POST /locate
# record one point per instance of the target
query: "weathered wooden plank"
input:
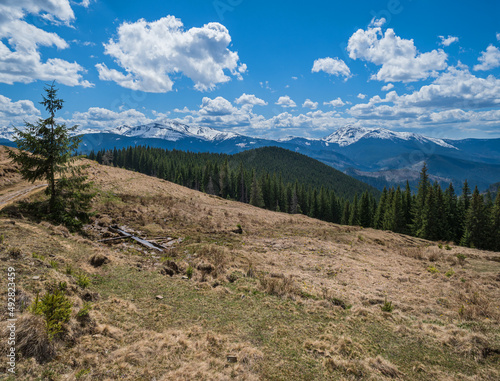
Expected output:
(137, 239)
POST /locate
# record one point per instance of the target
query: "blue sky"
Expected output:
(260, 69)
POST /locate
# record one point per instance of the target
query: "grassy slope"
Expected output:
(302, 336)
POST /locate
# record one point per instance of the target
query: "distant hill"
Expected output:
(296, 166)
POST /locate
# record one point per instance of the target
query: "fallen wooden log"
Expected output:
(112, 239)
(137, 239)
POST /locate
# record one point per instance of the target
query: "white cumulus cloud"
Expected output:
(387, 87)
(399, 59)
(21, 60)
(336, 102)
(457, 87)
(16, 113)
(103, 119)
(285, 101)
(489, 59)
(250, 99)
(149, 53)
(447, 41)
(450, 98)
(216, 107)
(310, 104)
(332, 66)
(361, 96)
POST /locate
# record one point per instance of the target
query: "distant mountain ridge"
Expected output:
(172, 131)
(348, 135)
(377, 156)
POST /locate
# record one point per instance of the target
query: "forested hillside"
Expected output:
(293, 183)
(295, 166)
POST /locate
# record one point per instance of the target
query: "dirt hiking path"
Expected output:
(18, 194)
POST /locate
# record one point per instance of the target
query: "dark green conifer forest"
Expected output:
(301, 186)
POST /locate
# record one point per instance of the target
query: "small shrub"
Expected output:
(433, 257)
(461, 311)
(63, 286)
(214, 259)
(432, 270)
(234, 276)
(461, 259)
(250, 271)
(82, 372)
(387, 306)
(56, 309)
(450, 273)
(341, 303)
(447, 247)
(440, 245)
(98, 260)
(54, 264)
(15, 252)
(360, 238)
(57, 286)
(38, 256)
(84, 311)
(189, 271)
(279, 286)
(83, 280)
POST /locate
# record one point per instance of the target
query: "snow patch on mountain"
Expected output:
(7, 133)
(348, 135)
(173, 131)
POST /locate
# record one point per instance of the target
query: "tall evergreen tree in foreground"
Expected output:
(45, 153)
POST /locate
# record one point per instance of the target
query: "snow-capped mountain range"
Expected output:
(173, 131)
(348, 135)
(374, 155)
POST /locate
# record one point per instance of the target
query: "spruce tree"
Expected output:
(463, 207)
(346, 213)
(394, 217)
(407, 208)
(365, 213)
(256, 198)
(451, 214)
(46, 153)
(294, 202)
(476, 223)
(418, 209)
(378, 219)
(388, 220)
(495, 224)
(354, 217)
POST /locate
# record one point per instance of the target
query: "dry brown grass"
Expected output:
(279, 285)
(189, 333)
(384, 367)
(32, 338)
(476, 304)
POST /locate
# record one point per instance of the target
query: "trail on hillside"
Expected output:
(19, 194)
